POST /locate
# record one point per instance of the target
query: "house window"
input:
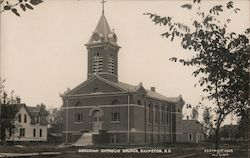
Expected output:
(37, 119)
(41, 133)
(190, 136)
(25, 118)
(20, 118)
(22, 132)
(78, 117)
(115, 117)
(34, 132)
(97, 63)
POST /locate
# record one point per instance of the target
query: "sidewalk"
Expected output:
(28, 154)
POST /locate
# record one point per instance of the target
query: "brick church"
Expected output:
(104, 110)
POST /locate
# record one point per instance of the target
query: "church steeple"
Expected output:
(103, 51)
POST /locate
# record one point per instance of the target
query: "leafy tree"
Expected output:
(221, 58)
(56, 123)
(43, 112)
(55, 120)
(7, 5)
(8, 111)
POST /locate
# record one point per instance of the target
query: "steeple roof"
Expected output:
(103, 33)
(103, 27)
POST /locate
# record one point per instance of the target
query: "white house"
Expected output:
(31, 125)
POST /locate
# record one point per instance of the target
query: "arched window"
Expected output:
(150, 113)
(78, 104)
(97, 62)
(115, 102)
(156, 114)
(162, 115)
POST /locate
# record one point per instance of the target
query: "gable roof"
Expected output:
(191, 126)
(33, 112)
(124, 87)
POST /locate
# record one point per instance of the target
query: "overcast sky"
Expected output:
(43, 52)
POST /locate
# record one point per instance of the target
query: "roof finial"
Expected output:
(103, 1)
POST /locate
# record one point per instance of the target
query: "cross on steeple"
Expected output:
(103, 1)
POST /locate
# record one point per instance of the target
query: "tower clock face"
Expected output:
(96, 36)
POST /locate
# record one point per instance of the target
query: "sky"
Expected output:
(43, 51)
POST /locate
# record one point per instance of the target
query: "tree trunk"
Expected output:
(2, 134)
(217, 138)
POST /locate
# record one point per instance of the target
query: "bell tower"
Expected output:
(103, 51)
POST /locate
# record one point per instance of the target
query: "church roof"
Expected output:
(128, 88)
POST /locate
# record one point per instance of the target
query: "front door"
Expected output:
(96, 121)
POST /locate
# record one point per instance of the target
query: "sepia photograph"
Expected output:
(124, 78)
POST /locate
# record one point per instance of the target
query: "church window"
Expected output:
(139, 102)
(115, 117)
(150, 114)
(111, 64)
(115, 102)
(167, 117)
(78, 117)
(156, 114)
(97, 63)
(78, 104)
(190, 136)
(162, 115)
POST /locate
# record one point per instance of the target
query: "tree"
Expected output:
(221, 58)
(243, 125)
(8, 111)
(7, 5)
(207, 121)
(56, 121)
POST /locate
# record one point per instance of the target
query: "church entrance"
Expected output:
(96, 121)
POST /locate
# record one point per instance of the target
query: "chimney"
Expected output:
(18, 100)
(153, 89)
(187, 117)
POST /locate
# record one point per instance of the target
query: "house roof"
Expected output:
(33, 111)
(191, 126)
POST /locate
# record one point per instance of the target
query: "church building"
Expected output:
(103, 109)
